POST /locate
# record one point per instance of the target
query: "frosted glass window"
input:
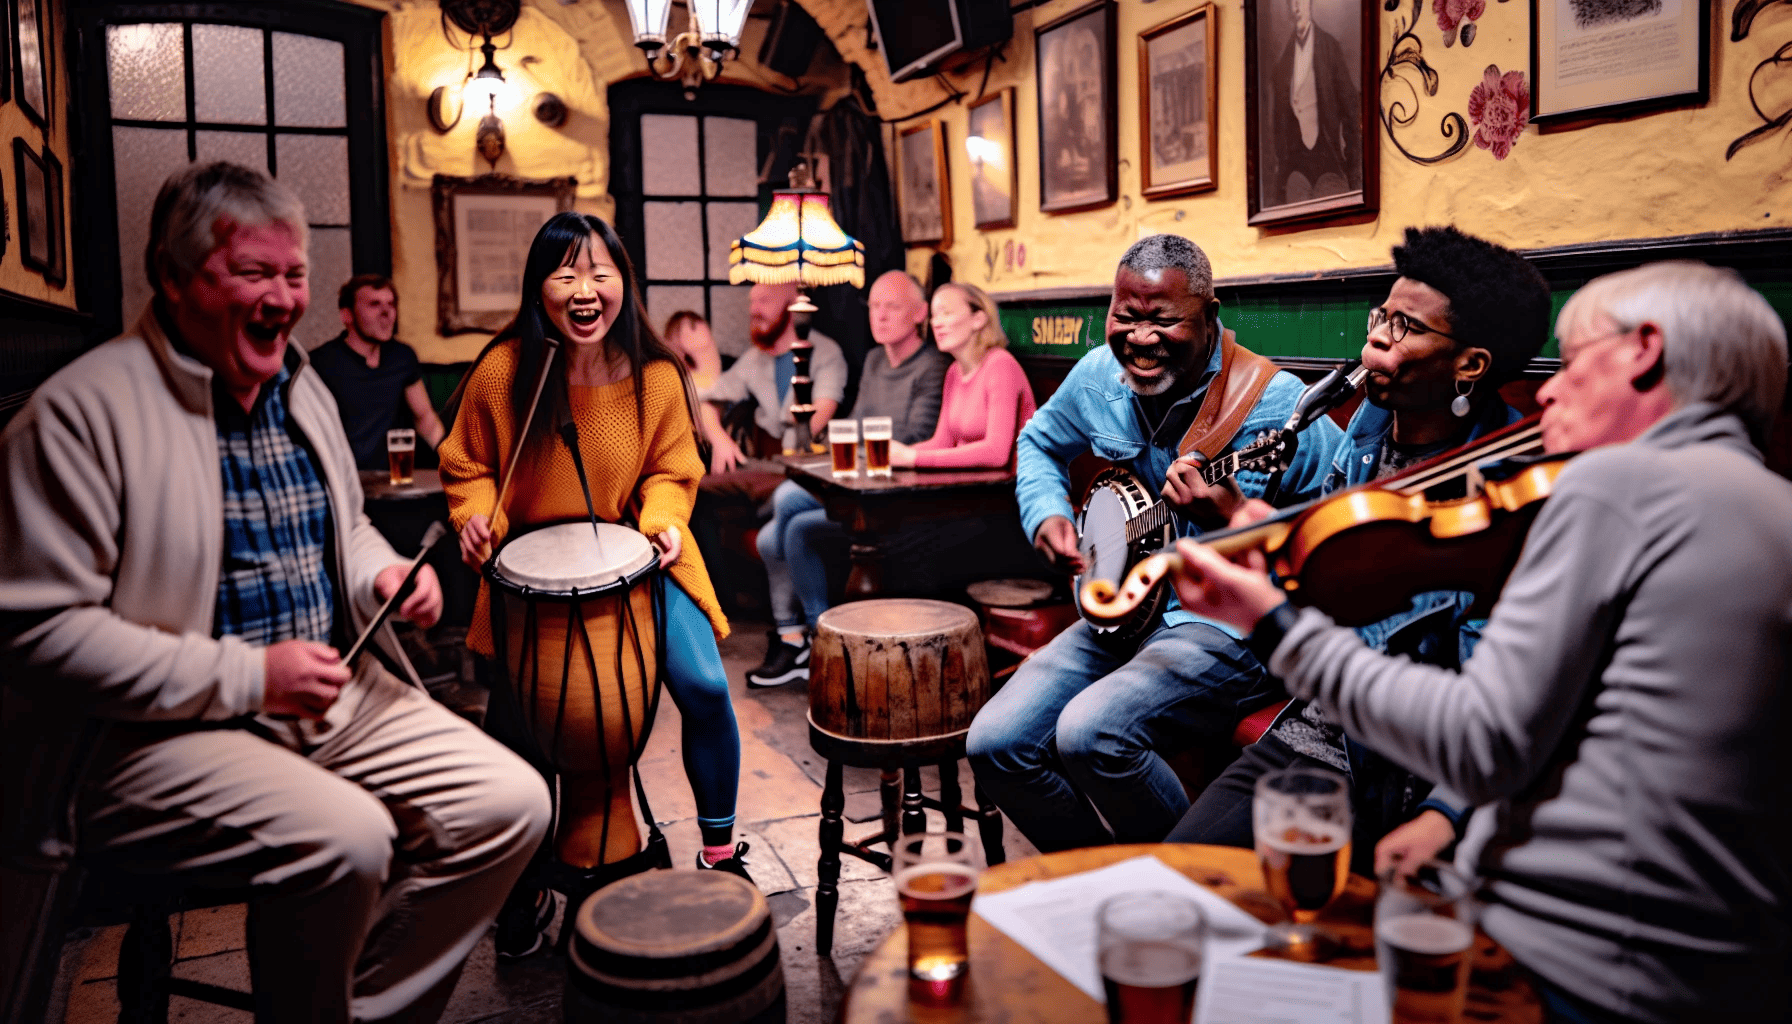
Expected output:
(730, 157)
(316, 167)
(142, 157)
(729, 320)
(228, 83)
(308, 82)
(147, 72)
(669, 155)
(674, 240)
(331, 264)
(249, 149)
(663, 300)
(728, 221)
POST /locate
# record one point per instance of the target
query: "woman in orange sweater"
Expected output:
(628, 395)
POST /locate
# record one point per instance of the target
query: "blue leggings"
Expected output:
(699, 686)
(794, 567)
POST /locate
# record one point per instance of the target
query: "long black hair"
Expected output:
(559, 242)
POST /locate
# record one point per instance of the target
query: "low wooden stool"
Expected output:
(893, 685)
(1019, 617)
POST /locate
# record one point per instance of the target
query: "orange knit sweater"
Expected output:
(649, 475)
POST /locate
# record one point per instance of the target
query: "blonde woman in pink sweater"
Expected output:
(987, 398)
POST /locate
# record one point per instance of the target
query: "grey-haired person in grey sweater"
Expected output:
(1622, 725)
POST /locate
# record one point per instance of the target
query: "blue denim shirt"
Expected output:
(1095, 411)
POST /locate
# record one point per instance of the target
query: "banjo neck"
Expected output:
(1157, 515)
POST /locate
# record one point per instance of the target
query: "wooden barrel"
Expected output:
(897, 669)
(675, 947)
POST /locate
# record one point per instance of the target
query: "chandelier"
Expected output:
(694, 56)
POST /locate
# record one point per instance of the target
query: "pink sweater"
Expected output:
(979, 418)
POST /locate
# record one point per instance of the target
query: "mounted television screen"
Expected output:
(915, 36)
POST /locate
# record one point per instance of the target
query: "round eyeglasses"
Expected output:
(1399, 324)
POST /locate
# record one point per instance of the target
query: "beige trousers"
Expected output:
(383, 845)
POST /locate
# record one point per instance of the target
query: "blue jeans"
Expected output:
(794, 567)
(1078, 730)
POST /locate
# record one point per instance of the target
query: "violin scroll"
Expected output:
(1103, 602)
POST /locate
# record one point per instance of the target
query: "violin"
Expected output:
(1360, 555)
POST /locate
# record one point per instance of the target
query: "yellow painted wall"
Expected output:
(1649, 176)
(14, 277)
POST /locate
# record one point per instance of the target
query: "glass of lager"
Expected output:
(843, 441)
(1424, 941)
(401, 454)
(1300, 818)
(877, 431)
(936, 876)
(1150, 949)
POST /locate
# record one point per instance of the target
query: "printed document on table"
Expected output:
(1055, 919)
(1250, 990)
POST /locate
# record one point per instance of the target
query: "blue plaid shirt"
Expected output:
(275, 584)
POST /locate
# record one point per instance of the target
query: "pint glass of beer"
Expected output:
(1424, 942)
(843, 441)
(1149, 945)
(936, 876)
(1300, 818)
(401, 454)
(877, 431)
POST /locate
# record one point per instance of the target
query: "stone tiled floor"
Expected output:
(779, 812)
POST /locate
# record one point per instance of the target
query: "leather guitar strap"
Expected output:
(1230, 398)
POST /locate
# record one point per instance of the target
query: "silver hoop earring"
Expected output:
(1459, 405)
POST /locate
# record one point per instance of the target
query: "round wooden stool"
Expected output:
(893, 685)
(675, 947)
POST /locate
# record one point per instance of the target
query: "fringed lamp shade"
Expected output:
(798, 241)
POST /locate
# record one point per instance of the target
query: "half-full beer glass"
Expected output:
(876, 430)
(1424, 942)
(1149, 945)
(936, 876)
(1300, 818)
(401, 454)
(843, 441)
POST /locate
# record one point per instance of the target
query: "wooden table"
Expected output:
(871, 507)
(1007, 984)
(378, 486)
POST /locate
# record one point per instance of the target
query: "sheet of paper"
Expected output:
(1238, 989)
(1055, 919)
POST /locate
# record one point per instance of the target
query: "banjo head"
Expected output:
(1115, 497)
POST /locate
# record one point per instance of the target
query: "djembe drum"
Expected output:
(574, 623)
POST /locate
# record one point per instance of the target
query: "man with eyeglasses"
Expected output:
(1464, 317)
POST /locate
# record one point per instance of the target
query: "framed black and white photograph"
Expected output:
(31, 59)
(923, 192)
(1609, 58)
(483, 229)
(38, 224)
(989, 146)
(1178, 116)
(1310, 109)
(1078, 141)
(57, 272)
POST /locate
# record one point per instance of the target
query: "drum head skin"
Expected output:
(568, 557)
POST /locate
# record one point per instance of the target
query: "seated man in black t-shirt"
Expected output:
(372, 376)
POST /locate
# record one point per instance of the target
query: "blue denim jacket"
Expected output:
(1095, 411)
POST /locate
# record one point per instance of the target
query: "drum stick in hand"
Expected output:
(522, 437)
(434, 535)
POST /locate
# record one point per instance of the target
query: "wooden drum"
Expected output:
(897, 669)
(675, 947)
(575, 630)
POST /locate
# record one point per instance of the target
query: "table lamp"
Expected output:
(798, 241)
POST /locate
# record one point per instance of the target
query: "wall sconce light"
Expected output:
(549, 109)
(711, 35)
(483, 19)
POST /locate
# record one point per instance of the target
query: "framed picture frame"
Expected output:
(923, 190)
(6, 32)
(37, 182)
(1311, 145)
(989, 146)
(1662, 48)
(1178, 114)
(1074, 77)
(483, 229)
(31, 66)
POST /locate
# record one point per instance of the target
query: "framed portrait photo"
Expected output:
(1311, 115)
(37, 182)
(922, 188)
(483, 229)
(1074, 75)
(989, 146)
(31, 59)
(1178, 118)
(1605, 58)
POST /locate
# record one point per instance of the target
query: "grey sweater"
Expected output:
(909, 394)
(1622, 728)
